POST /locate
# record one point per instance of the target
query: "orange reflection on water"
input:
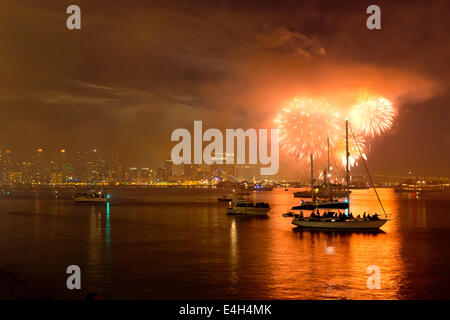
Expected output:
(305, 264)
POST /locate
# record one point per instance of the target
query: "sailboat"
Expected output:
(92, 197)
(332, 220)
(315, 201)
(336, 191)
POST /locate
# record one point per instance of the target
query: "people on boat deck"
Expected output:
(262, 205)
(339, 216)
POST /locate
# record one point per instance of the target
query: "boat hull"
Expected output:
(334, 194)
(90, 200)
(331, 205)
(340, 225)
(248, 211)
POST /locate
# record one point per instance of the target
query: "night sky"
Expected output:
(137, 70)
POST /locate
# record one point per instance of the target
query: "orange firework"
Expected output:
(372, 115)
(304, 126)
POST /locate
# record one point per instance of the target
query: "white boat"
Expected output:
(353, 224)
(92, 197)
(247, 207)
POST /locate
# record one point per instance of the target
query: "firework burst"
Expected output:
(356, 148)
(305, 125)
(372, 115)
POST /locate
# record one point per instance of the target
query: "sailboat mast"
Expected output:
(328, 168)
(312, 179)
(347, 169)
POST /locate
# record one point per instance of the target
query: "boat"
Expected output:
(335, 191)
(288, 214)
(248, 207)
(225, 198)
(347, 224)
(316, 202)
(331, 204)
(420, 186)
(243, 193)
(92, 197)
(326, 189)
(359, 186)
(334, 221)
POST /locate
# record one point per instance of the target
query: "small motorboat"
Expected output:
(247, 207)
(288, 214)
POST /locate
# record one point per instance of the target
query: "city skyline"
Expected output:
(62, 167)
(89, 167)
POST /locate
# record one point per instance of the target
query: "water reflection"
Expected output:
(164, 248)
(309, 264)
(108, 237)
(233, 252)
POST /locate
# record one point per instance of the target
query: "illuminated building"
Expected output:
(6, 167)
(38, 175)
(132, 175)
(3, 174)
(145, 176)
(167, 169)
(221, 168)
(191, 170)
(117, 172)
(178, 170)
(80, 161)
(247, 172)
(97, 171)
